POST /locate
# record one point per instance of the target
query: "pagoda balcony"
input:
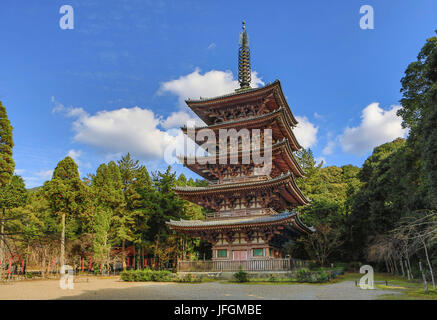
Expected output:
(254, 264)
(240, 213)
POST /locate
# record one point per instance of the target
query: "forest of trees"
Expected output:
(383, 213)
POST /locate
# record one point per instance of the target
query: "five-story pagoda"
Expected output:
(251, 209)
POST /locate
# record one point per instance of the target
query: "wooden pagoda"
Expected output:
(251, 214)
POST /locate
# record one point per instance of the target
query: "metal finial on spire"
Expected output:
(244, 72)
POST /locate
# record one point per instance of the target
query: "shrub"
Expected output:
(162, 275)
(146, 275)
(304, 275)
(126, 275)
(241, 276)
(322, 276)
(273, 278)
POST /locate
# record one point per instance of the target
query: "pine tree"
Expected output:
(67, 195)
(7, 164)
(108, 201)
(137, 187)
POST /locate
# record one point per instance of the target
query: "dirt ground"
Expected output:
(114, 289)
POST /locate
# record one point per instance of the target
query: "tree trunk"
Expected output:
(142, 256)
(134, 265)
(429, 263)
(409, 267)
(386, 265)
(62, 260)
(123, 254)
(423, 277)
(402, 268)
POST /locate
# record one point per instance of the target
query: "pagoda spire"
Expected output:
(244, 60)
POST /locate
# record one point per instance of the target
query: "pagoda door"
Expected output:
(239, 255)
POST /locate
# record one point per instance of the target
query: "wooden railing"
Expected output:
(239, 213)
(247, 265)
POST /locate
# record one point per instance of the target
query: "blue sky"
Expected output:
(115, 82)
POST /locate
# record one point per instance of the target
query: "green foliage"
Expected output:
(273, 278)
(241, 276)
(330, 190)
(13, 194)
(146, 275)
(166, 204)
(419, 114)
(108, 201)
(66, 192)
(304, 275)
(322, 276)
(68, 197)
(7, 164)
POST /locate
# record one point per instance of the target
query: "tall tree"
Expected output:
(419, 113)
(67, 195)
(137, 184)
(167, 205)
(108, 201)
(7, 164)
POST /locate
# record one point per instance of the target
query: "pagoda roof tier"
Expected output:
(277, 120)
(285, 185)
(282, 157)
(269, 96)
(235, 224)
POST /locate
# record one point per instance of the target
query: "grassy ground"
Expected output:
(409, 289)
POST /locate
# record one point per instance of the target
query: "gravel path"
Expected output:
(98, 289)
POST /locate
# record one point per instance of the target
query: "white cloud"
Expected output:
(317, 115)
(69, 111)
(212, 45)
(377, 126)
(194, 85)
(36, 179)
(306, 132)
(74, 154)
(19, 172)
(329, 148)
(210, 84)
(124, 130)
(45, 174)
(138, 130)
